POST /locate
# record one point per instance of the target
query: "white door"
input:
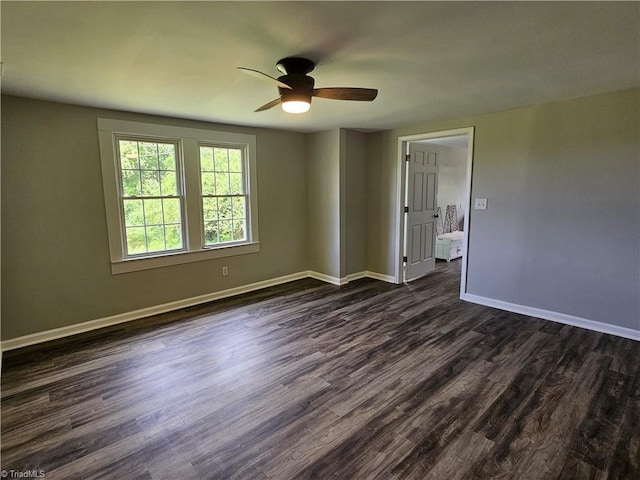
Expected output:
(420, 211)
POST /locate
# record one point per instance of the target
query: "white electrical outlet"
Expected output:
(480, 204)
(225, 271)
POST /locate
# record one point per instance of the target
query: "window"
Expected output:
(224, 199)
(176, 195)
(150, 196)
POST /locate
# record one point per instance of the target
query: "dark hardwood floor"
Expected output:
(311, 381)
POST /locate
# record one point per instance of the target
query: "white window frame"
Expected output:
(179, 186)
(189, 141)
(245, 182)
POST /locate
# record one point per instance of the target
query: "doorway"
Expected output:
(433, 144)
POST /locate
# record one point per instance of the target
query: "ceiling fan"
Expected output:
(296, 87)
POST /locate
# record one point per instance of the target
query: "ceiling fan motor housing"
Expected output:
(301, 88)
(295, 65)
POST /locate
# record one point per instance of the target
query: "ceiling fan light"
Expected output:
(296, 106)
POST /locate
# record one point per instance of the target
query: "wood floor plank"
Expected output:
(576, 469)
(459, 456)
(602, 421)
(306, 380)
(625, 446)
(534, 438)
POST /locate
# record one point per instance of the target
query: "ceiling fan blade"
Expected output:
(269, 105)
(346, 93)
(264, 76)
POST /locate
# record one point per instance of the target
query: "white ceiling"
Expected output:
(429, 60)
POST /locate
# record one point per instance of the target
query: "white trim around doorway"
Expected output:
(400, 197)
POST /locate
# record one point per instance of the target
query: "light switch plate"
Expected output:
(480, 204)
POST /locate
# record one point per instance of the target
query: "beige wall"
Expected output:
(55, 257)
(561, 229)
(560, 233)
(381, 202)
(336, 201)
(356, 202)
(323, 202)
(376, 214)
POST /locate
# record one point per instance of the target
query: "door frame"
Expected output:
(403, 142)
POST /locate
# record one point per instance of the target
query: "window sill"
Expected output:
(166, 260)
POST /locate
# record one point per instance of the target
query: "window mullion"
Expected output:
(192, 197)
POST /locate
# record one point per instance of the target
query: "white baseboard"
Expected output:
(83, 327)
(327, 278)
(356, 276)
(554, 316)
(47, 335)
(351, 277)
(380, 276)
(56, 333)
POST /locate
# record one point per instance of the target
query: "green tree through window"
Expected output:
(150, 196)
(224, 198)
